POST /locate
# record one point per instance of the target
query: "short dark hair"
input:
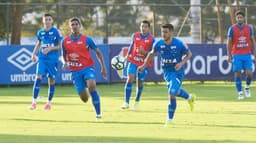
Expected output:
(169, 26)
(239, 12)
(75, 19)
(48, 14)
(146, 22)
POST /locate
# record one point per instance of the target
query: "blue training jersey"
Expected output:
(171, 54)
(52, 38)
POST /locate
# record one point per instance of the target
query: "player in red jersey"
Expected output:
(240, 45)
(140, 46)
(76, 52)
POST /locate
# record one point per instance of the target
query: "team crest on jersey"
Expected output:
(74, 56)
(80, 42)
(162, 46)
(242, 39)
(173, 47)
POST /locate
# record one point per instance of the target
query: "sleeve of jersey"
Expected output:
(230, 32)
(156, 46)
(38, 35)
(131, 44)
(90, 43)
(59, 35)
(185, 48)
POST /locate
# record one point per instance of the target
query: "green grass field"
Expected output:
(218, 116)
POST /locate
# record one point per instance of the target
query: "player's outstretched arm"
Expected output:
(149, 57)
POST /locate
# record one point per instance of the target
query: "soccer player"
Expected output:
(140, 46)
(47, 46)
(172, 52)
(240, 45)
(77, 57)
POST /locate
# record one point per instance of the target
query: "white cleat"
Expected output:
(240, 97)
(125, 106)
(247, 92)
(136, 105)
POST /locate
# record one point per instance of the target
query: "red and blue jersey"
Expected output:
(140, 42)
(241, 38)
(77, 52)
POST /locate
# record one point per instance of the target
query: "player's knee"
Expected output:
(83, 96)
(173, 92)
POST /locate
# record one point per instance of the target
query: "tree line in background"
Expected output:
(22, 18)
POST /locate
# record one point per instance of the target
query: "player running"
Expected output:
(77, 57)
(172, 51)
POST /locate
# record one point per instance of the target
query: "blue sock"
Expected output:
(171, 108)
(138, 93)
(238, 82)
(183, 94)
(96, 101)
(51, 90)
(36, 88)
(248, 80)
(128, 91)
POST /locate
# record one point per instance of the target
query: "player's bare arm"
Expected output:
(186, 58)
(102, 63)
(253, 46)
(146, 61)
(36, 49)
(229, 44)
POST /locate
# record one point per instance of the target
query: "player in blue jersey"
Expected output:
(46, 48)
(174, 54)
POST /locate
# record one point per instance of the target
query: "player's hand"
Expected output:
(178, 66)
(230, 59)
(104, 73)
(47, 50)
(127, 58)
(140, 68)
(142, 51)
(33, 58)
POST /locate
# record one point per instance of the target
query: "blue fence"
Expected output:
(207, 63)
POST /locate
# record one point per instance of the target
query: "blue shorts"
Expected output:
(132, 69)
(46, 68)
(242, 62)
(173, 81)
(80, 77)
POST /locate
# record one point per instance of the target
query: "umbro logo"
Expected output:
(21, 59)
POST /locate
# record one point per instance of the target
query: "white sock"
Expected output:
(34, 101)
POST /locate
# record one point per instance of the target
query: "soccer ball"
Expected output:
(118, 62)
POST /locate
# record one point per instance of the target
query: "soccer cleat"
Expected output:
(33, 106)
(247, 92)
(191, 102)
(125, 106)
(47, 107)
(98, 116)
(136, 105)
(240, 97)
(168, 124)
